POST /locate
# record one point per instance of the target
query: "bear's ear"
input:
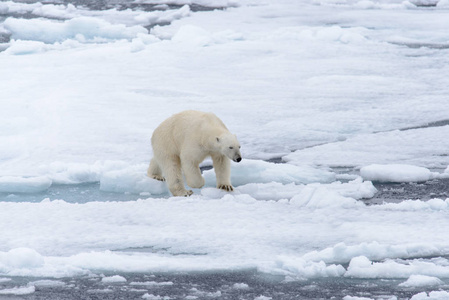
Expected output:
(218, 140)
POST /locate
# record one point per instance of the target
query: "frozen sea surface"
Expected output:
(341, 109)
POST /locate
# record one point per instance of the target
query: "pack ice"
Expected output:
(343, 93)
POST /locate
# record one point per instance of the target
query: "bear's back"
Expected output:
(196, 121)
(189, 126)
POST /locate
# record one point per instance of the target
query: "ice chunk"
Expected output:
(148, 296)
(152, 283)
(342, 253)
(12, 184)
(356, 189)
(19, 47)
(114, 176)
(83, 29)
(75, 173)
(17, 8)
(443, 4)
(297, 267)
(396, 173)
(162, 16)
(358, 298)
(435, 295)
(362, 267)
(258, 171)
(47, 283)
(240, 286)
(18, 291)
(21, 258)
(421, 280)
(113, 279)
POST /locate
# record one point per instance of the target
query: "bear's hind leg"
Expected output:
(222, 168)
(154, 171)
(173, 174)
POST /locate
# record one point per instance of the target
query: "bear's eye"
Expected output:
(231, 147)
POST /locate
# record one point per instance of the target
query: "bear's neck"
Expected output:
(209, 141)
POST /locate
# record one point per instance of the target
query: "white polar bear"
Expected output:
(183, 141)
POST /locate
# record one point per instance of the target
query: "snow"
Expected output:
(420, 147)
(322, 198)
(342, 92)
(232, 222)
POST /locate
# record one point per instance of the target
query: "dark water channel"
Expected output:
(219, 285)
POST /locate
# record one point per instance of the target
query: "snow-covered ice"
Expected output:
(344, 93)
(19, 291)
(17, 184)
(396, 173)
(435, 295)
(421, 280)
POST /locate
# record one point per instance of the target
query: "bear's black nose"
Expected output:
(238, 159)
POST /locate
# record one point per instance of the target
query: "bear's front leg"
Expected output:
(178, 191)
(192, 173)
(222, 167)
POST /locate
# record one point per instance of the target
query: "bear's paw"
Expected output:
(157, 177)
(226, 187)
(184, 193)
(188, 193)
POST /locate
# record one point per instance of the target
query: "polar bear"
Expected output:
(183, 141)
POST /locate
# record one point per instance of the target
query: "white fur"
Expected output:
(183, 141)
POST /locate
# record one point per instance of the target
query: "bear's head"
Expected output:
(229, 145)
